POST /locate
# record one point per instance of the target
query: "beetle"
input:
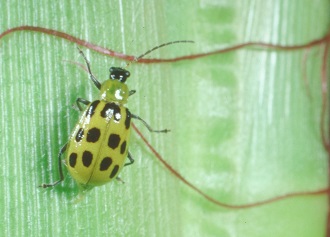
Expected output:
(98, 146)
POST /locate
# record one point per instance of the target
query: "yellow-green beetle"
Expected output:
(97, 149)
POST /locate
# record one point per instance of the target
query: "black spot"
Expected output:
(128, 119)
(73, 159)
(93, 135)
(113, 141)
(87, 158)
(80, 135)
(91, 110)
(123, 147)
(105, 163)
(114, 171)
(109, 110)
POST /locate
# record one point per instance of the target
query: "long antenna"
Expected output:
(157, 47)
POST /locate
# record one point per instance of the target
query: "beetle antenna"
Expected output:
(136, 59)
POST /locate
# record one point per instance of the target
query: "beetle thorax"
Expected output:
(114, 91)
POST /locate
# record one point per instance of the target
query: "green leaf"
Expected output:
(244, 126)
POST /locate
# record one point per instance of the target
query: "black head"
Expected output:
(117, 73)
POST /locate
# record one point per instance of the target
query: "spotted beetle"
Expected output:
(98, 146)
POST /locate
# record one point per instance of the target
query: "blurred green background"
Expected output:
(244, 125)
